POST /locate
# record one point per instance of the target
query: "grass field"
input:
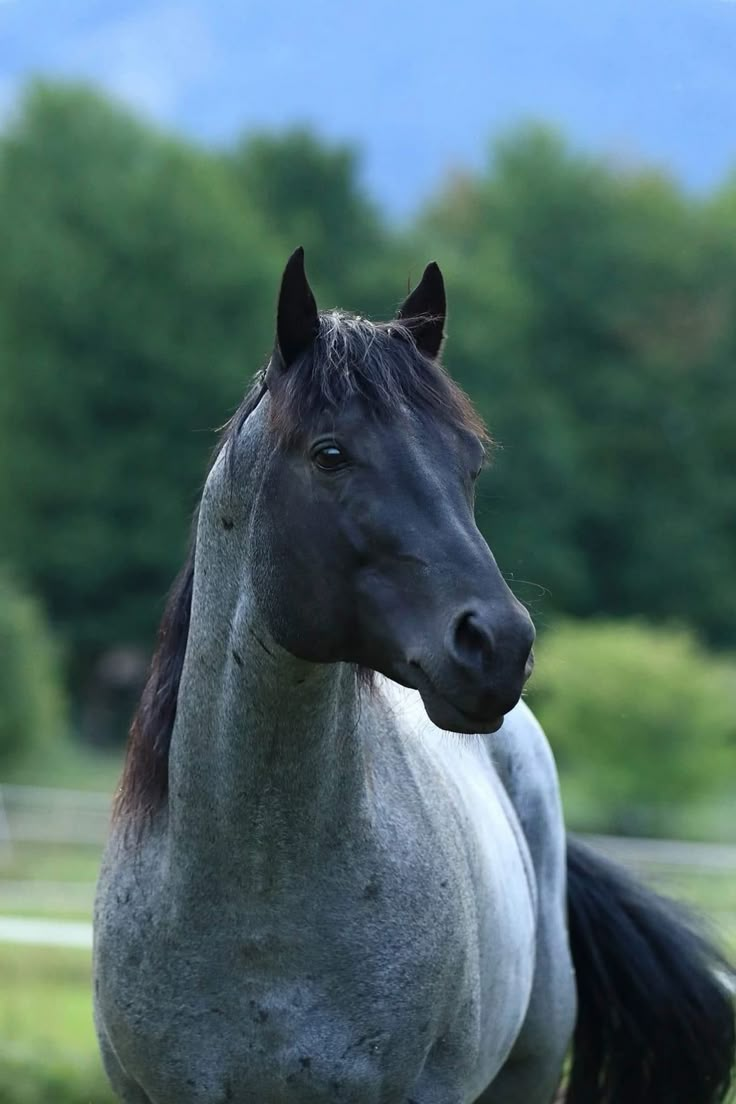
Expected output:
(48, 1053)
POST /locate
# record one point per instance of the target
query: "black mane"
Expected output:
(350, 357)
(377, 362)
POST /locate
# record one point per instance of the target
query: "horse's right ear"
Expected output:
(424, 311)
(297, 320)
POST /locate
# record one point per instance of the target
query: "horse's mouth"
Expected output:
(449, 717)
(444, 713)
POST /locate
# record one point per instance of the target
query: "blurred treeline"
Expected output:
(592, 319)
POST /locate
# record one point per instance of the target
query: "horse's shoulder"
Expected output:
(519, 753)
(526, 767)
(522, 754)
(474, 780)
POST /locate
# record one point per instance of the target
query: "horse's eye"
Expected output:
(329, 457)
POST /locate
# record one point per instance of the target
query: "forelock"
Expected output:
(375, 362)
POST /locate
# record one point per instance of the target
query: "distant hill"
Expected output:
(419, 87)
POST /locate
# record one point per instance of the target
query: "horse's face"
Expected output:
(375, 559)
(370, 553)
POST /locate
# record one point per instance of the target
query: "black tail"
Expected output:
(655, 1016)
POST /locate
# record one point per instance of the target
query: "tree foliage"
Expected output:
(641, 719)
(308, 193)
(603, 361)
(32, 703)
(592, 318)
(135, 295)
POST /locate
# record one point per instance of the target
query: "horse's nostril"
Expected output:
(473, 642)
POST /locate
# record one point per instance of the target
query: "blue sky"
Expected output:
(419, 87)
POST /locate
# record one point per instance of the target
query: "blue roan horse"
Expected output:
(313, 890)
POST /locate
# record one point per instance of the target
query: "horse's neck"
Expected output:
(267, 762)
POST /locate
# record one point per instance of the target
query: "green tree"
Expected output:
(136, 298)
(591, 318)
(309, 193)
(597, 357)
(641, 719)
(32, 702)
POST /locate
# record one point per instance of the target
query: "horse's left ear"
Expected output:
(425, 309)
(297, 319)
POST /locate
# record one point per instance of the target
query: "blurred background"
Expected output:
(572, 166)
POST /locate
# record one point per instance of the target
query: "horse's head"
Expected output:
(365, 547)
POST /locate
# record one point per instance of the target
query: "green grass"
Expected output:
(69, 764)
(33, 878)
(55, 1078)
(48, 1052)
(39, 862)
(711, 896)
(45, 999)
(711, 892)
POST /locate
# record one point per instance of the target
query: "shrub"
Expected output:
(32, 707)
(640, 719)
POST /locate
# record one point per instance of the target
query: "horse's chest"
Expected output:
(347, 989)
(344, 1003)
(233, 1028)
(284, 1045)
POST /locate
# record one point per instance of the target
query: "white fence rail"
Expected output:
(34, 819)
(45, 933)
(43, 814)
(666, 854)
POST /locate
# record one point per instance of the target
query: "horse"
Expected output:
(313, 890)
